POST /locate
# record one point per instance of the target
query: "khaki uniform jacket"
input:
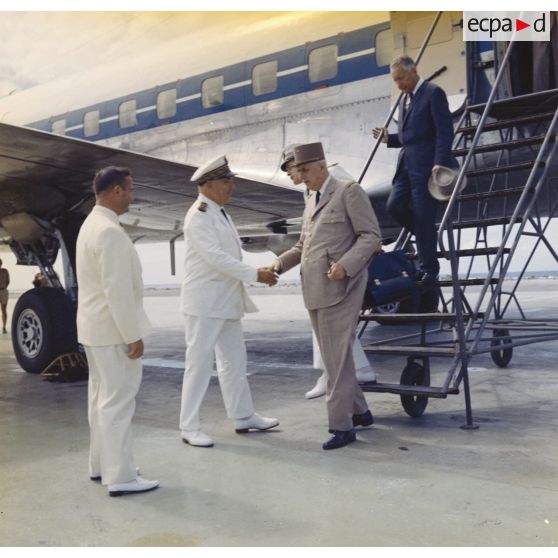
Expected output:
(110, 294)
(344, 229)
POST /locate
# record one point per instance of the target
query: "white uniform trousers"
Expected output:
(206, 338)
(114, 381)
(362, 363)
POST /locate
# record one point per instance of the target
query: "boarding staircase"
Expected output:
(509, 159)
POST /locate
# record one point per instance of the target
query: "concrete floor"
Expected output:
(406, 482)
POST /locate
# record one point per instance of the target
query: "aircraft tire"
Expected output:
(43, 328)
(501, 357)
(413, 375)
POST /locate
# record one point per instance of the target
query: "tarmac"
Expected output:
(405, 482)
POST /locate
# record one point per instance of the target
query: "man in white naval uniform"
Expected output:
(111, 326)
(214, 300)
(364, 371)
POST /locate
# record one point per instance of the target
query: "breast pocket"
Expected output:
(333, 217)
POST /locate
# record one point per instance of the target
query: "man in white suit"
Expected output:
(111, 326)
(364, 371)
(214, 300)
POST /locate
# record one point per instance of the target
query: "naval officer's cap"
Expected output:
(288, 155)
(214, 170)
(309, 153)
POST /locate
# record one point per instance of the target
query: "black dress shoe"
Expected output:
(364, 419)
(339, 439)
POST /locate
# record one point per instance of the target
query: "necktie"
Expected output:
(224, 215)
(317, 198)
(407, 104)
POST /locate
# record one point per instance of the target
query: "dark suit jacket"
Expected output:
(425, 131)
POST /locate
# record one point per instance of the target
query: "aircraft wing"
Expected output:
(47, 175)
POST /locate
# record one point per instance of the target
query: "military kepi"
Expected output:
(309, 153)
(215, 169)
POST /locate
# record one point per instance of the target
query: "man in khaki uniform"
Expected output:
(4, 295)
(340, 233)
(364, 371)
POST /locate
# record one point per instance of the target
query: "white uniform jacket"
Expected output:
(214, 273)
(110, 294)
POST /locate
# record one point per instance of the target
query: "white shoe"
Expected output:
(319, 389)
(137, 485)
(366, 375)
(197, 438)
(255, 422)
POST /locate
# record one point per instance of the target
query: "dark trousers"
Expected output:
(412, 206)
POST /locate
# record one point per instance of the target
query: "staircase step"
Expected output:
(540, 100)
(406, 318)
(410, 350)
(493, 194)
(512, 144)
(526, 165)
(425, 391)
(489, 222)
(501, 124)
(466, 252)
(466, 282)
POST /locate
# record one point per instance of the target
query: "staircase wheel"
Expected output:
(413, 375)
(501, 357)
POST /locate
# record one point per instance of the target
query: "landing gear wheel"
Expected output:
(413, 375)
(501, 357)
(43, 328)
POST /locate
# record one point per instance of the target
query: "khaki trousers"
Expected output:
(335, 328)
(114, 381)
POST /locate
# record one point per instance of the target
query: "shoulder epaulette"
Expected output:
(202, 207)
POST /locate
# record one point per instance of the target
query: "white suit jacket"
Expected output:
(214, 273)
(110, 286)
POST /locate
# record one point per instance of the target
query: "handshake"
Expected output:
(269, 275)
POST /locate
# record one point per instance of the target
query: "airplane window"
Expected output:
(59, 127)
(384, 47)
(212, 92)
(127, 114)
(166, 103)
(91, 123)
(264, 78)
(322, 63)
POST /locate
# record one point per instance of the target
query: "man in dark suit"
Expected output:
(425, 135)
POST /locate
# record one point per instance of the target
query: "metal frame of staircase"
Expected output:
(465, 328)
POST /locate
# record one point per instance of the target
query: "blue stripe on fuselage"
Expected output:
(350, 70)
